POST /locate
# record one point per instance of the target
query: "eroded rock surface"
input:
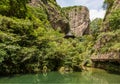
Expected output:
(78, 19)
(55, 16)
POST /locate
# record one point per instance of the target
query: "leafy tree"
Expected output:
(29, 44)
(114, 20)
(95, 26)
(108, 3)
(15, 8)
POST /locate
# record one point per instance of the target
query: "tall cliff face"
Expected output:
(107, 47)
(111, 26)
(113, 6)
(108, 42)
(78, 19)
(54, 14)
(74, 19)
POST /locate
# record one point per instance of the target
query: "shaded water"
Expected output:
(93, 76)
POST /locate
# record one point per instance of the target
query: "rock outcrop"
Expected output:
(109, 34)
(107, 46)
(78, 19)
(55, 16)
(112, 6)
(70, 19)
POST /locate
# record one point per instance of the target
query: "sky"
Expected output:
(95, 6)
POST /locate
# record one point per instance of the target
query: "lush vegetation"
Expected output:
(24, 47)
(28, 42)
(109, 3)
(108, 39)
(66, 10)
(114, 20)
(13, 8)
(95, 27)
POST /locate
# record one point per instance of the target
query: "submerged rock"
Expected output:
(64, 70)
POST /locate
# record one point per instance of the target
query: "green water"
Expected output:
(93, 76)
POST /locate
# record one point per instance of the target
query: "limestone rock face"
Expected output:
(115, 5)
(107, 43)
(55, 16)
(78, 19)
(70, 19)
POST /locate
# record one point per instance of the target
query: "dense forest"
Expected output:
(32, 38)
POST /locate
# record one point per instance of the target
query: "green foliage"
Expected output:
(114, 20)
(3, 54)
(109, 3)
(71, 7)
(66, 10)
(115, 47)
(29, 44)
(24, 28)
(95, 26)
(4, 7)
(23, 43)
(16, 8)
(108, 41)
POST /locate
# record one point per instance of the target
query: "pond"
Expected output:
(92, 76)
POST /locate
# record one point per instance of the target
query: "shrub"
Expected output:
(114, 20)
(16, 8)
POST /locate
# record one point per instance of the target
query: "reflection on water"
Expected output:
(92, 76)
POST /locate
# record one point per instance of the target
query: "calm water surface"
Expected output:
(93, 76)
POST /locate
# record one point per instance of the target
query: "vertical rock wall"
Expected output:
(78, 19)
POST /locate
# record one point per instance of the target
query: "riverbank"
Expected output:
(108, 66)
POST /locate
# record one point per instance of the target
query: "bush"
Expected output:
(114, 20)
(15, 8)
(95, 26)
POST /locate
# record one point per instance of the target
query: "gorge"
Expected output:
(32, 31)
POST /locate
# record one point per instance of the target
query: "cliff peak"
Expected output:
(78, 19)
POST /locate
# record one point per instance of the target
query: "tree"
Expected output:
(15, 8)
(108, 3)
(114, 19)
(95, 26)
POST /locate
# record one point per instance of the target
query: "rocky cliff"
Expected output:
(74, 19)
(107, 46)
(111, 27)
(112, 7)
(78, 19)
(54, 14)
